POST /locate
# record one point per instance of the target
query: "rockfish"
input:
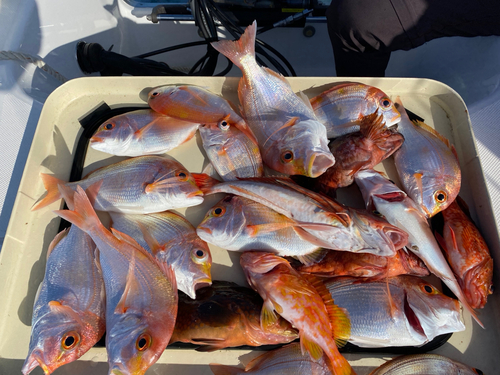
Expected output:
(310, 309)
(467, 254)
(226, 315)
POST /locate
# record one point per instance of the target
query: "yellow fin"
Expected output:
(339, 319)
(131, 290)
(153, 244)
(311, 347)
(126, 238)
(312, 258)
(287, 124)
(267, 315)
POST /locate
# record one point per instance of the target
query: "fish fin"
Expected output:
(312, 258)
(152, 242)
(268, 317)
(372, 126)
(314, 350)
(160, 182)
(325, 202)
(58, 238)
(434, 132)
(418, 179)
(142, 132)
(245, 129)
(188, 89)
(132, 288)
(50, 183)
(339, 318)
(392, 305)
(67, 194)
(256, 229)
(204, 182)
(125, 238)
(57, 306)
(238, 49)
(83, 216)
(218, 369)
(306, 236)
(209, 348)
(290, 122)
(305, 99)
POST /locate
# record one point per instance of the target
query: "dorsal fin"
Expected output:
(426, 127)
(339, 319)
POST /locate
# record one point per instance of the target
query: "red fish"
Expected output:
(343, 263)
(284, 290)
(360, 150)
(467, 254)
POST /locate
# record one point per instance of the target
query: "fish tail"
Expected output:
(225, 370)
(83, 216)
(204, 182)
(238, 49)
(338, 364)
(50, 183)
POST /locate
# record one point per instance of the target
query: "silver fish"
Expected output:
(68, 315)
(239, 224)
(142, 132)
(427, 166)
(424, 364)
(144, 184)
(338, 227)
(403, 212)
(141, 294)
(287, 360)
(341, 107)
(173, 240)
(232, 153)
(290, 138)
(413, 314)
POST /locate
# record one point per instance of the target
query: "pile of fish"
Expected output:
(318, 270)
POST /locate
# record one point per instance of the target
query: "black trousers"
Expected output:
(365, 32)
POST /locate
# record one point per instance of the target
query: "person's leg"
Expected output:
(364, 32)
(361, 33)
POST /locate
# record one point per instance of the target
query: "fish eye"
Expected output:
(70, 340)
(375, 212)
(219, 211)
(182, 175)
(492, 289)
(287, 156)
(199, 255)
(153, 95)
(223, 125)
(143, 342)
(429, 289)
(385, 102)
(440, 196)
(109, 126)
(478, 372)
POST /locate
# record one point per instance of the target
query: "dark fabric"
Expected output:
(363, 33)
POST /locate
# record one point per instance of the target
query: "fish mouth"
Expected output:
(35, 359)
(96, 139)
(194, 194)
(319, 162)
(204, 230)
